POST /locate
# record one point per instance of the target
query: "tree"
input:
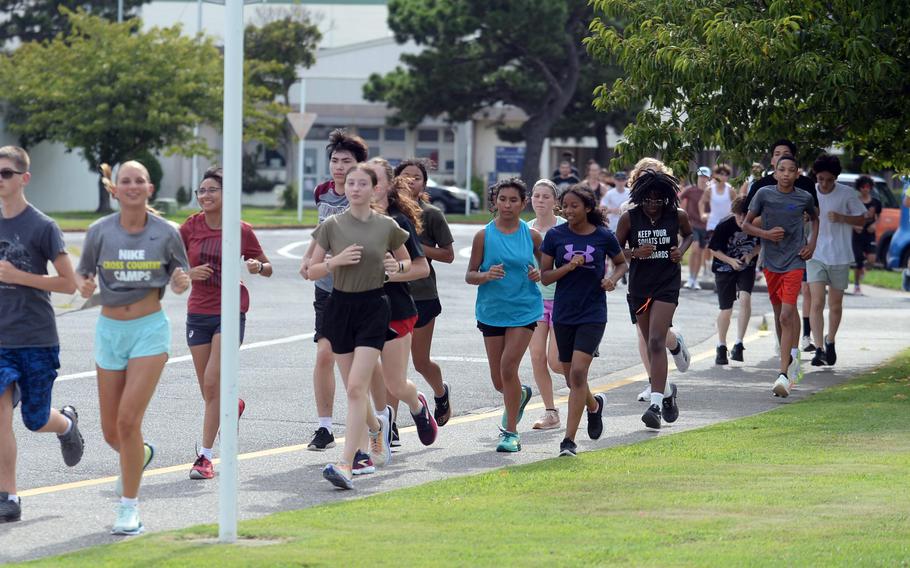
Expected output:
(112, 92)
(40, 20)
(525, 53)
(736, 75)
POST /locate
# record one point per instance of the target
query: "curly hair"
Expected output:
(514, 182)
(651, 182)
(596, 215)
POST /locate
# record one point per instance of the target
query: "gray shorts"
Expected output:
(835, 275)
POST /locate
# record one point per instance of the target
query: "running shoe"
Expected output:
(396, 441)
(696, 285)
(596, 418)
(830, 353)
(149, 454)
(339, 475)
(651, 417)
(362, 464)
(781, 386)
(806, 344)
(681, 357)
(202, 468)
(443, 410)
(567, 448)
(645, 395)
(10, 511)
(690, 283)
(322, 440)
(736, 354)
(127, 522)
(71, 444)
(526, 393)
(509, 442)
(427, 429)
(795, 369)
(670, 410)
(721, 357)
(820, 359)
(548, 420)
(380, 451)
(241, 406)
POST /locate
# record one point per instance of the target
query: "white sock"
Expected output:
(668, 390)
(656, 398)
(418, 411)
(206, 453)
(326, 422)
(13, 497)
(69, 425)
(129, 502)
(739, 341)
(721, 344)
(794, 353)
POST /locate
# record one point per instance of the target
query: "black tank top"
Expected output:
(657, 273)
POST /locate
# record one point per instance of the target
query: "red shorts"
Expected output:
(783, 287)
(403, 327)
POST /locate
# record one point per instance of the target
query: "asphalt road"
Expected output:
(66, 509)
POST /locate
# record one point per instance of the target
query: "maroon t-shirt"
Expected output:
(692, 194)
(203, 246)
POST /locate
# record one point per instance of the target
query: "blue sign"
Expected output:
(510, 159)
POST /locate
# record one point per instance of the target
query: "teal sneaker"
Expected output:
(127, 522)
(149, 454)
(526, 393)
(509, 442)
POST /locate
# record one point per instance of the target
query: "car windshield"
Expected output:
(884, 194)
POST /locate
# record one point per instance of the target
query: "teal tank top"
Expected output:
(514, 301)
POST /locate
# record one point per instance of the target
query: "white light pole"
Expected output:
(194, 169)
(119, 11)
(301, 143)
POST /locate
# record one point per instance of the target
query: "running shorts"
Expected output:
(496, 331)
(427, 311)
(30, 372)
(201, 328)
(583, 337)
(641, 304)
(547, 317)
(730, 284)
(700, 236)
(356, 319)
(784, 287)
(118, 341)
(319, 303)
(400, 328)
(836, 275)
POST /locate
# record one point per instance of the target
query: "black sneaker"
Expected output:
(71, 444)
(396, 442)
(820, 359)
(596, 418)
(651, 417)
(322, 440)
(670, 409)
(567, 448)
(830, 353)
(443, 410)
(10, 511)
(736, 354)
(427, 429)
(721, 357)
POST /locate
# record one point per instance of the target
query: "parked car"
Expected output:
(899, 251)
(450, 198)
(889, 220)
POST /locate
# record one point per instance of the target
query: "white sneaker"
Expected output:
(805, 344)
(645, 395)
(682, 357)
(781, 386)
(689, 284)
(696, 285)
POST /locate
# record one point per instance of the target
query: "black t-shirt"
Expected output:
(729, 239)
(802, 182)
(401, 303)
(564, 182)
(876, 206)
(657, 273)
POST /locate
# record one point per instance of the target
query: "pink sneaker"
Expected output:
(548, 421)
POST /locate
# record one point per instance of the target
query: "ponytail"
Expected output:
(107, 180)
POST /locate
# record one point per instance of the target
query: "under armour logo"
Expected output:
(586, 253)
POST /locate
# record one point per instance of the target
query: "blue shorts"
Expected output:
(201, 328)
(118, 341)
(30, 372)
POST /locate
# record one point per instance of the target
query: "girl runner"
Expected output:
(580, 250)
(134, 254)
(201, 234)
(652, 230)
(543, 342)
(503, 266)
(357, 314)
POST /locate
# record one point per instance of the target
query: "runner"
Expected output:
(544, 355)
(612, 201)
(134, 254)
(785, 250)
(437, 241)
(735, 254)
(357, 315)
(566, 175)
(580, 250)
(690, 199)
(503, 266)
(864, 235)
(592, 180)
(652, 229)
(201, 234)
(344, 152)
(717, 198)
(29, 345)
(829, 268)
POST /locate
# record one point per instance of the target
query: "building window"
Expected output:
(394, 134)
(373, 151)
(428, 135)
(428, 154)
(368, 133)
(448, 136)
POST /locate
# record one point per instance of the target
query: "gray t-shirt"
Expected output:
(778, 209)
(28, 241)
(328, 203)
(128, 265)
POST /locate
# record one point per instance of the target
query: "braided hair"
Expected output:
(654, 182)
(596, 215)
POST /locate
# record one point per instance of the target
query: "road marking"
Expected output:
(456, 359)
(463, 419)
(285, 251)
(464, 252)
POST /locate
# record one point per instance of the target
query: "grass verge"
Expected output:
(883, 279)
(820, 482)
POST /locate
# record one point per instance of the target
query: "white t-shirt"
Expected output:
(612, 200)
(835, 240)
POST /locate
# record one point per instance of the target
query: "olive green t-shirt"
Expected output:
(435, 233)
(377, 235)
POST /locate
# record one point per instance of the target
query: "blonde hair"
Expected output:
(107, 179)
(648, 164)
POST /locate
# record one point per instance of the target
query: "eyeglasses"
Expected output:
(206, 190)
(650, 201)
(8, 174)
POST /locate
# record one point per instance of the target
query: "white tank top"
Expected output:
(720, 205)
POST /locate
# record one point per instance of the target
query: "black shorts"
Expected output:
(320, 301)
(584, 337)
(729, 284)
(643, 303)
(427, 310)
(201, 328)
(863, 244)
(495, 331)
(356, 319)
(700, 236)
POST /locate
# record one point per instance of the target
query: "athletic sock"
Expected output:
(12, 497)
(129, 502)
(419, 410)
(69, 425)
(326, 422)
(794, 353)
(739, 341)
(668, 390)
(807, 327)
(721, 344)
(206, 453)
(657, 398)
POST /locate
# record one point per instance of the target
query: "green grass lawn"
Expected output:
(882, 279)
(819, 482)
